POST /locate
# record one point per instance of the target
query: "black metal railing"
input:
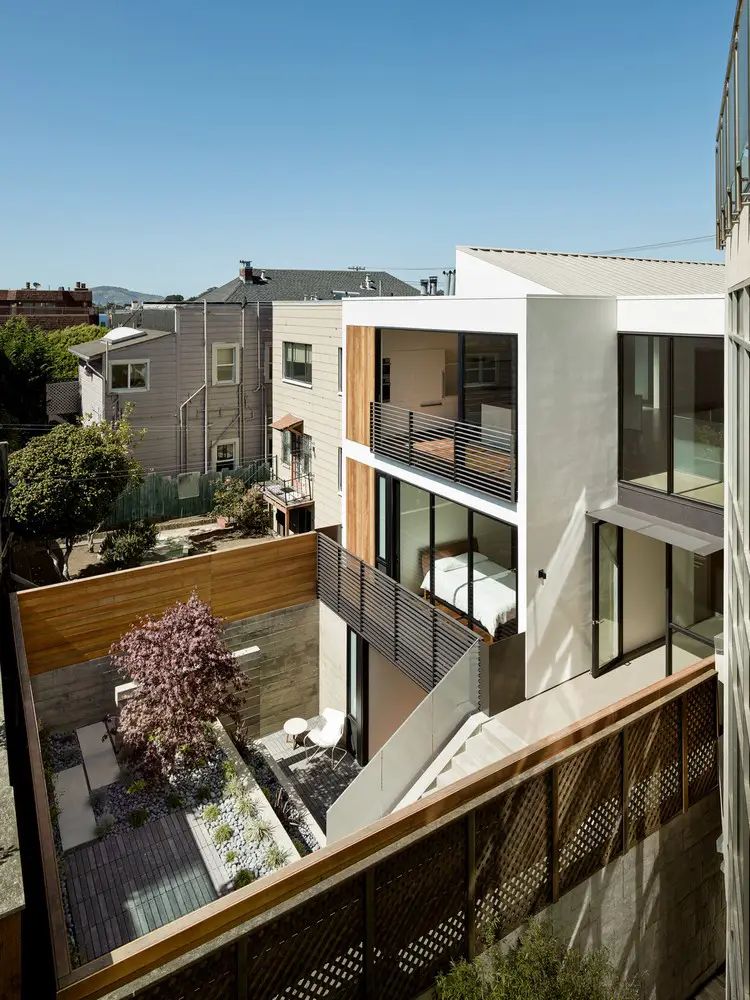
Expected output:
(482, 458)
(290, 491)
(423, 642)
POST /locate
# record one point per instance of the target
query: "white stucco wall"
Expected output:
(738, 250)
(476, 278)
(332, 675)
(644, 583)
(702, 315)
(571, 446)
(438, 312)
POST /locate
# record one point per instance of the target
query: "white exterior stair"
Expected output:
(487, 745)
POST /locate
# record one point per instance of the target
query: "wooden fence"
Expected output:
(378, 914)
(161, 498)
(72, 622)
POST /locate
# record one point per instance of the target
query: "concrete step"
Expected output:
(504, 738)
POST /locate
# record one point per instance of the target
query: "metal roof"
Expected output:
(96, 348)
(590, 274)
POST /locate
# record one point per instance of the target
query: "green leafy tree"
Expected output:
(65, 482)
(174, 298)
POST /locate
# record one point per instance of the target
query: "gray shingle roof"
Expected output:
(296, 285)
(589, 274)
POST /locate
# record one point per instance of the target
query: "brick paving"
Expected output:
(317, 783)
(131, 883)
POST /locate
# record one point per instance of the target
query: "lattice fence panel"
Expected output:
(420, 912)
(312, 953)
(513, 857)
(589, 812)
(702, 749)
(654, 792)
(213, 977)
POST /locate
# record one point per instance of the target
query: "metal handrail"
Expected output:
(302, 486)
(481, 458)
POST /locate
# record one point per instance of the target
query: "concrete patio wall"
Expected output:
(282, 677)
(659, 910)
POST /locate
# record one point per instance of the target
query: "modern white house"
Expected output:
(540, 458)
(733, 233)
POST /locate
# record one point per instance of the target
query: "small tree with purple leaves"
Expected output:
(186, 678)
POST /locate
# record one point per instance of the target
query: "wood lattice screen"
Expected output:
(387, 930)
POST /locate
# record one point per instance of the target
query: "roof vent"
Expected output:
(368, 285)
(262, 279)
(122, 333)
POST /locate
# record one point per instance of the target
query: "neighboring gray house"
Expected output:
(198, 387)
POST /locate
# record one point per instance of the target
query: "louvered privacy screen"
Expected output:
(423, 642)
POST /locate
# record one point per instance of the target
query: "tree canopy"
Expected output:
(29, 358)
(186, 678)
(65, 481)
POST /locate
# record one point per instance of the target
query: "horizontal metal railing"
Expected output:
(423, 642)
(481, 458)
(290, 491)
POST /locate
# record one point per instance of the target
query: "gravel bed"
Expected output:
(64, 751)
(254, 756)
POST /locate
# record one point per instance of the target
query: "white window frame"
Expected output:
(215, 451)
(235, 364)
(341, 370)
(284, 376)
(129, 362)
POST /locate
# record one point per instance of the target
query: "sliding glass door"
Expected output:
(357, 664)
(607, 592)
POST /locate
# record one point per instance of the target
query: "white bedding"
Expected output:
(494, 589)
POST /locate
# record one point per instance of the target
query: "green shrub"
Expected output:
(230, 857)
(227, 497)
(246, 807)
(54, 812)
(252, 516)
(539, 967)
(233, 787)
(136, 787)
(230, 771)
(106, 823)
(223, 833)
(174, 800)
(211, 813)
(242, 878)
(256, 830)
(138, 817)
(97, 797)
(202, 793)
(266, 792)
(126, 546)
(276, 856)
(302, 849)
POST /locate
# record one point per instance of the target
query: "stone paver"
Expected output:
(98, 755)
(317, 783)
(133, 882)
(75, 819)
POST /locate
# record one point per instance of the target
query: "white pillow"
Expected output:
(460, 561)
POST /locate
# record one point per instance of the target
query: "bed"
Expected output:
(494, 604)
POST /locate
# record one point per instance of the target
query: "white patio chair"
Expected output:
(327, 736)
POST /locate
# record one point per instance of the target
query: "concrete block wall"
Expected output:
(659, 910)
(282, 678)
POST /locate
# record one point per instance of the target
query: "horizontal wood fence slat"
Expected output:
(378, 914)
(72, 622)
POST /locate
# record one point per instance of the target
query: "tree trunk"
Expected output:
(69, 543)
(91, 536)
(58, 561)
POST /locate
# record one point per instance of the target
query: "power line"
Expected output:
(658, 246)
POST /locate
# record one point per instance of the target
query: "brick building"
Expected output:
(51, 310)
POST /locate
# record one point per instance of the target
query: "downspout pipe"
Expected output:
(205, 386)
(185, 424)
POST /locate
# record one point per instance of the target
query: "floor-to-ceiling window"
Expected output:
(696, 605)
(460, 560)
(672, 415)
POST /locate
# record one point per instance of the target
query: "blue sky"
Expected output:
(153, 144)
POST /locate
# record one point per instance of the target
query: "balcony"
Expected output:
(297, 492)
(479, 457)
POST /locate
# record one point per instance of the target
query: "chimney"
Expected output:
(423, 286)
(83, 286)
(246, 271)
(28, 284)
(433, 285)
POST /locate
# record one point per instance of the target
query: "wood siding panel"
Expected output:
(360, 510)
(360, 381)
(74, 622)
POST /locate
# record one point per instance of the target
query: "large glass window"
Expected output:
(413, 536)
(298, 363)
(489, 381)
(672, 415)
(699, 418)
(697, 606)
(644, 427)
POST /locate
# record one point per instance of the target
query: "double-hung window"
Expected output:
(225, 364)
(298, 363)
(226, 455)
(129, 376)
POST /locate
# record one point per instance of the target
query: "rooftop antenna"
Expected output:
(356, 267)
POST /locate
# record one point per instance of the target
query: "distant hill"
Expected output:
(120, 296)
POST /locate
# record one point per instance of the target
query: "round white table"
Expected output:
(295, 728)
